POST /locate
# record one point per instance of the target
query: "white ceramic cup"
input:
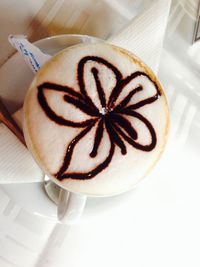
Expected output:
(70, 204)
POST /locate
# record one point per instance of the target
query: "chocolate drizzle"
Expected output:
(112, 118)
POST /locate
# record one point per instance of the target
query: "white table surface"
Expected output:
(159, 226)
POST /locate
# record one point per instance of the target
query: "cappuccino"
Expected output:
(96, 119)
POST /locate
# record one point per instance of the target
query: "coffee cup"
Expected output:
(96, 121)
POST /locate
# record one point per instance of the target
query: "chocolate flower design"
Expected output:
(111, 116)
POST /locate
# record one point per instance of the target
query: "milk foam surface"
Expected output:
(95, 119)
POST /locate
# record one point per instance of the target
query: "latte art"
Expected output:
(112, 118)
(114, 122)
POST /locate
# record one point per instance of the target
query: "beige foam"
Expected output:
(48, 141)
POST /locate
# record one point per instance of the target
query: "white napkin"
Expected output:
(145, 33)
(16, 162)
(143, 36)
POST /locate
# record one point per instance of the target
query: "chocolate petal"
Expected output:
(98, 138)
(115, 137)
(135, 91)
(97, 78)
(78, 162)
(146, 123)
(125, 124)
(55, 112)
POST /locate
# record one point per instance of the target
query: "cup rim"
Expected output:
(37, 43)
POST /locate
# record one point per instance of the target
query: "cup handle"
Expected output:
(70, 206)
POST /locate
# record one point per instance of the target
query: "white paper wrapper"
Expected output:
(32, 55)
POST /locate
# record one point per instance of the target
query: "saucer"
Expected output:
(169, 186)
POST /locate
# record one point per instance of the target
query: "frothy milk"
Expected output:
(95, 119)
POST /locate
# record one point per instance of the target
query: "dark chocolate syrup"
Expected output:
(114, 119)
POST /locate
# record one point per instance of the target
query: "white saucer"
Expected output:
(32, 196)
(173, 183)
